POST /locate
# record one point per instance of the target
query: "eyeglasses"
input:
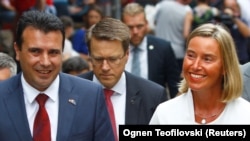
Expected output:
(112, 61)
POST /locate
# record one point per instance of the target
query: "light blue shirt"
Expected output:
(143, 58)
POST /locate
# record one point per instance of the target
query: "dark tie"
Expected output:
(41, 130)
(135, 68)
(108, 93)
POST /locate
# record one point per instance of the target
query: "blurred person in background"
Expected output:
(45, 6)
(230, 16)
(173, 22)
(68, 50)
(203, 13)
(62, 7)
(78, 39)
(7, 12)
(245, 11)
(75, 66)
(8, 66)
(78, 8)
(157, 59)
(245, 14)
(40, 5)
(7, 23)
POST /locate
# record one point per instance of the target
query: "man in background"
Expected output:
(8, 66)
(134, 99)
(156, 61)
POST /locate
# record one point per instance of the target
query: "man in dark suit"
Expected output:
(75, 108)
(157, 59)
(135, 98)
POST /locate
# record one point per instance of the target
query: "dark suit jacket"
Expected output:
(142, 98)
(87, 120)
(162, 64)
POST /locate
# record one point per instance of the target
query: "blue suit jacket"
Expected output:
(87, 120)
(162, 64)
(142, 98)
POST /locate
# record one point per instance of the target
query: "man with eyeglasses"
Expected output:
(135, 98)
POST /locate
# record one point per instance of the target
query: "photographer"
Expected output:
(231, 17)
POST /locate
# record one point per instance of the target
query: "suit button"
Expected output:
(132, 101)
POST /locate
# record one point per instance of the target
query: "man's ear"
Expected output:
(17, 50)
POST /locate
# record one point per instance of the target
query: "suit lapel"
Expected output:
(16, 109)
(67, 108)
(133, 101)
(151, 61)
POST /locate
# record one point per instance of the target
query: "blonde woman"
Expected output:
(210, 92)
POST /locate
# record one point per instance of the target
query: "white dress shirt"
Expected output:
(118, 100)
(180, 110)
(52, 104)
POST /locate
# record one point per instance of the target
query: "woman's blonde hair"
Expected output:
(232, 80)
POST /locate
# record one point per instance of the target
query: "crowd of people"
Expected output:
(108, 72)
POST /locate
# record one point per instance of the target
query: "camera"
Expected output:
(225, 19)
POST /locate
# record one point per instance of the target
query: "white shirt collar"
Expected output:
(142, 45)
(30, 92)
(120, 86)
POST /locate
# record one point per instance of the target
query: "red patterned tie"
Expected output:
(41, 130)
(108, 93)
